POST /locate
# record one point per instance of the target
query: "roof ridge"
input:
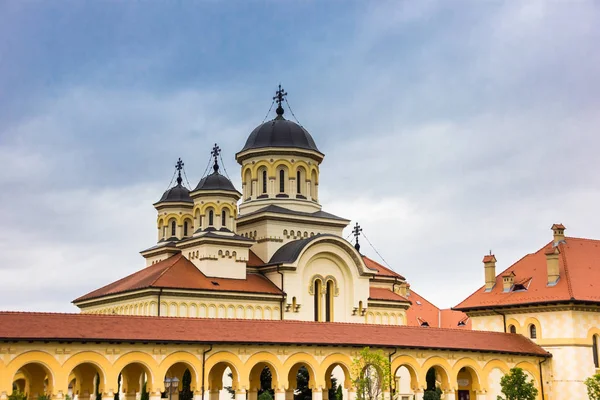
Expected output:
(151, 284)
(563, 255)
(430, 303)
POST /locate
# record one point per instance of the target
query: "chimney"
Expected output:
(552, 264)
(508, 280)
(489, 263)
(559, 232)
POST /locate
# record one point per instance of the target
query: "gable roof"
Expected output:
(381, 270)
(579, 269)
(423, 311)
(114, 328)
(177, 272)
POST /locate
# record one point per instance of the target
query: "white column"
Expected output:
(351, 394)
(154, 395)
(240, 394)
(129, 395)
(449, 395)
(197, 395)
(317, 394)
(386, 395)
(419, 395)
(279, 394)
(480, 396)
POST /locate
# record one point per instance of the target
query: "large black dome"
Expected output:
(176, 194)
(215, 181)
(280, 132)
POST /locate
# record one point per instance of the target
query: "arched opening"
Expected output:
(373, 387)
(596, 350)
(281, 180)
(180, 381)
(135, 379)
(317, 299)
(313, 185)
(247, 185)
(337, 381)
(532, 331)
(301, 382)
(222, 376)
(405, 382)
(264, 181)
(86, 380)
(36, 380)
(173, 225)
(436, 379)
(512, 329)
(224, 218)
(301, 183)
(468, 384)
(262, 381)
(211, 217)
(185, 228)
(329, 301)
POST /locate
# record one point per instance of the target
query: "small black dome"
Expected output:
(176, 194)
(215, 181)
(280, 132)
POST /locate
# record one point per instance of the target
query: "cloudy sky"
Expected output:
(450, 128)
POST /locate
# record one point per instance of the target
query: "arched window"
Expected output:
(185, 228)
(211, 217)
(173, 228)
(329, 302)
(317, 300)
(223, 219)
(298, 183)
(281, 181)
(596, 351)
(512, 329)
(532, 331)
(264, 181)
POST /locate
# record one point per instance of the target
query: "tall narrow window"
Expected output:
(211, 217)
(173, 228)
(512, 329)
(329, 302)
(298, 184)
(317, 290)
(264, 181)
(281, 181)
(223, 219)
(596, 351)
(532, 331)
(185, 228)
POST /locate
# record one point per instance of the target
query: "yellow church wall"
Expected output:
(59, 363)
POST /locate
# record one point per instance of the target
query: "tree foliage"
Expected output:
(186, 382)
(433, 394)
(145, 395)
(16, 395)
(370, 374)
(593, 387)
(516, 387)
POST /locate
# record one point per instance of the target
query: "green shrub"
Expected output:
(593, 387)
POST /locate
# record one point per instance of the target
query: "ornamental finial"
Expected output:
(356, 232)
(279, 97)
(179, 167)
(216, 151)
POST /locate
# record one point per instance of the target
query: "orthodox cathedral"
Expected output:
(262, 277)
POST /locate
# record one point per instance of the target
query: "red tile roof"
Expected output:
(376, 293)
(423, 310)
(381, 270)
(177, 272)
(91, 327)
(254, 260)
(579, 269)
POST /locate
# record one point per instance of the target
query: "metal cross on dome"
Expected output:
(216, 151)
(279, 97)
(179, 166)
(356, 232)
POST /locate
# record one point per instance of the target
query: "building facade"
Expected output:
(240, 281)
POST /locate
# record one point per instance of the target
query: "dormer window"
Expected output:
(425, 323)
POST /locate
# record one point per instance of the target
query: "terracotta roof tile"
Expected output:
(579, 269)
(91, 327)
(422, 310)
(254, 260)
(177, 272)
(376, 293)
(381, 270)
(489, 258)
